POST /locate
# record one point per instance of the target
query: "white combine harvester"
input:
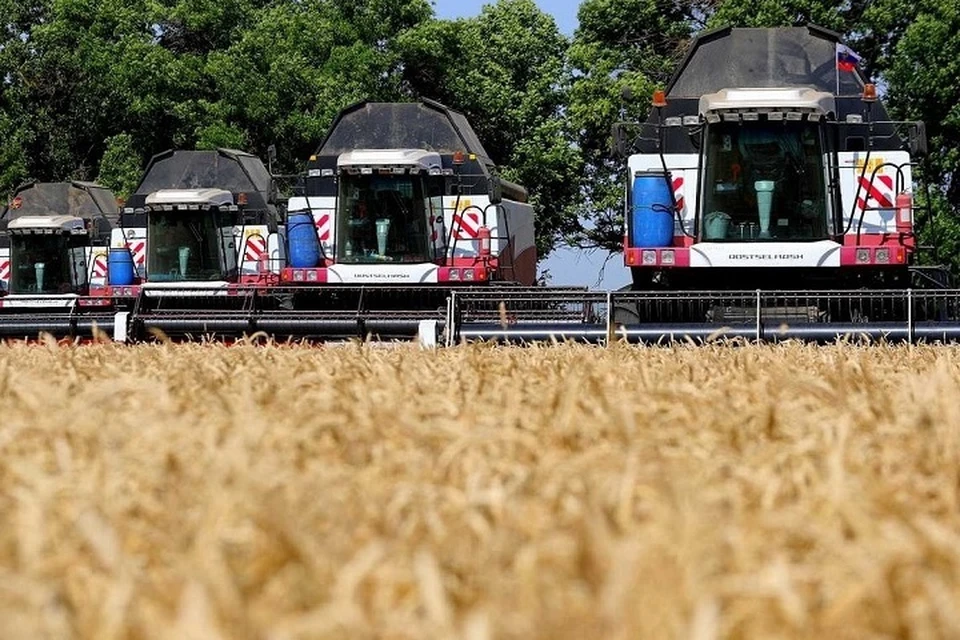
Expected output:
(768, 196)
(767, 181)
(53, 249)
(769, 162)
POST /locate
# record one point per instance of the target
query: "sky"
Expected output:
(563, 11)
(568, 267)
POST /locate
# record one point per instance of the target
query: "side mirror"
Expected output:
(917, 140)
(495, 188)
(619, 143)
(271, 157)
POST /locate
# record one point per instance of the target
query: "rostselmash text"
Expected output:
(766, 256)
(381, 276)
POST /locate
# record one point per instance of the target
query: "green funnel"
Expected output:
(764, 190)
(38, 268)
(184, 258)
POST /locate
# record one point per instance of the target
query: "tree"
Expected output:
(120, 167)
(284, 79)
(49, 53)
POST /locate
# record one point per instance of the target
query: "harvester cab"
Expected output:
(53, 240)
(769, 162)
(48, 255)
(200, 220)
(384, 199)
(405, 194)
(191, 236)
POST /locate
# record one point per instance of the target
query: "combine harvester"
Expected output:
(769, 197)
(408, 207)
(399, 206)
(53, 252)
(197, 240)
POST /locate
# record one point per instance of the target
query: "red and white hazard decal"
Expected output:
(324, 224)
(878, 194)
(99, 269)
(255, 248)
(678, 193)
(4, 270)
(466, 225)
(138, 249)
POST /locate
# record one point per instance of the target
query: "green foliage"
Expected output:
(784, 13)
(120, 167)
(13, 168)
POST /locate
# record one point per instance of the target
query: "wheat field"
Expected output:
(207, 492)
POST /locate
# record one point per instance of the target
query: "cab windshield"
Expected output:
(763, 181)
(382, 219)
(40, 264)
(185, 246)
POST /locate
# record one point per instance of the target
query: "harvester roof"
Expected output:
(760, 69)
(228, 169)
(425, 125)
(807, 100)
(85, 200)
(199, 197)
(416, 134)
(72, 224)
(764, 57)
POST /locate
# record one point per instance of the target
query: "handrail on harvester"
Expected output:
(651, 317)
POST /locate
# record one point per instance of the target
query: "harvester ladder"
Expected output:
(504, 268)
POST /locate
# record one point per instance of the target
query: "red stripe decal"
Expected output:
(875, 193)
